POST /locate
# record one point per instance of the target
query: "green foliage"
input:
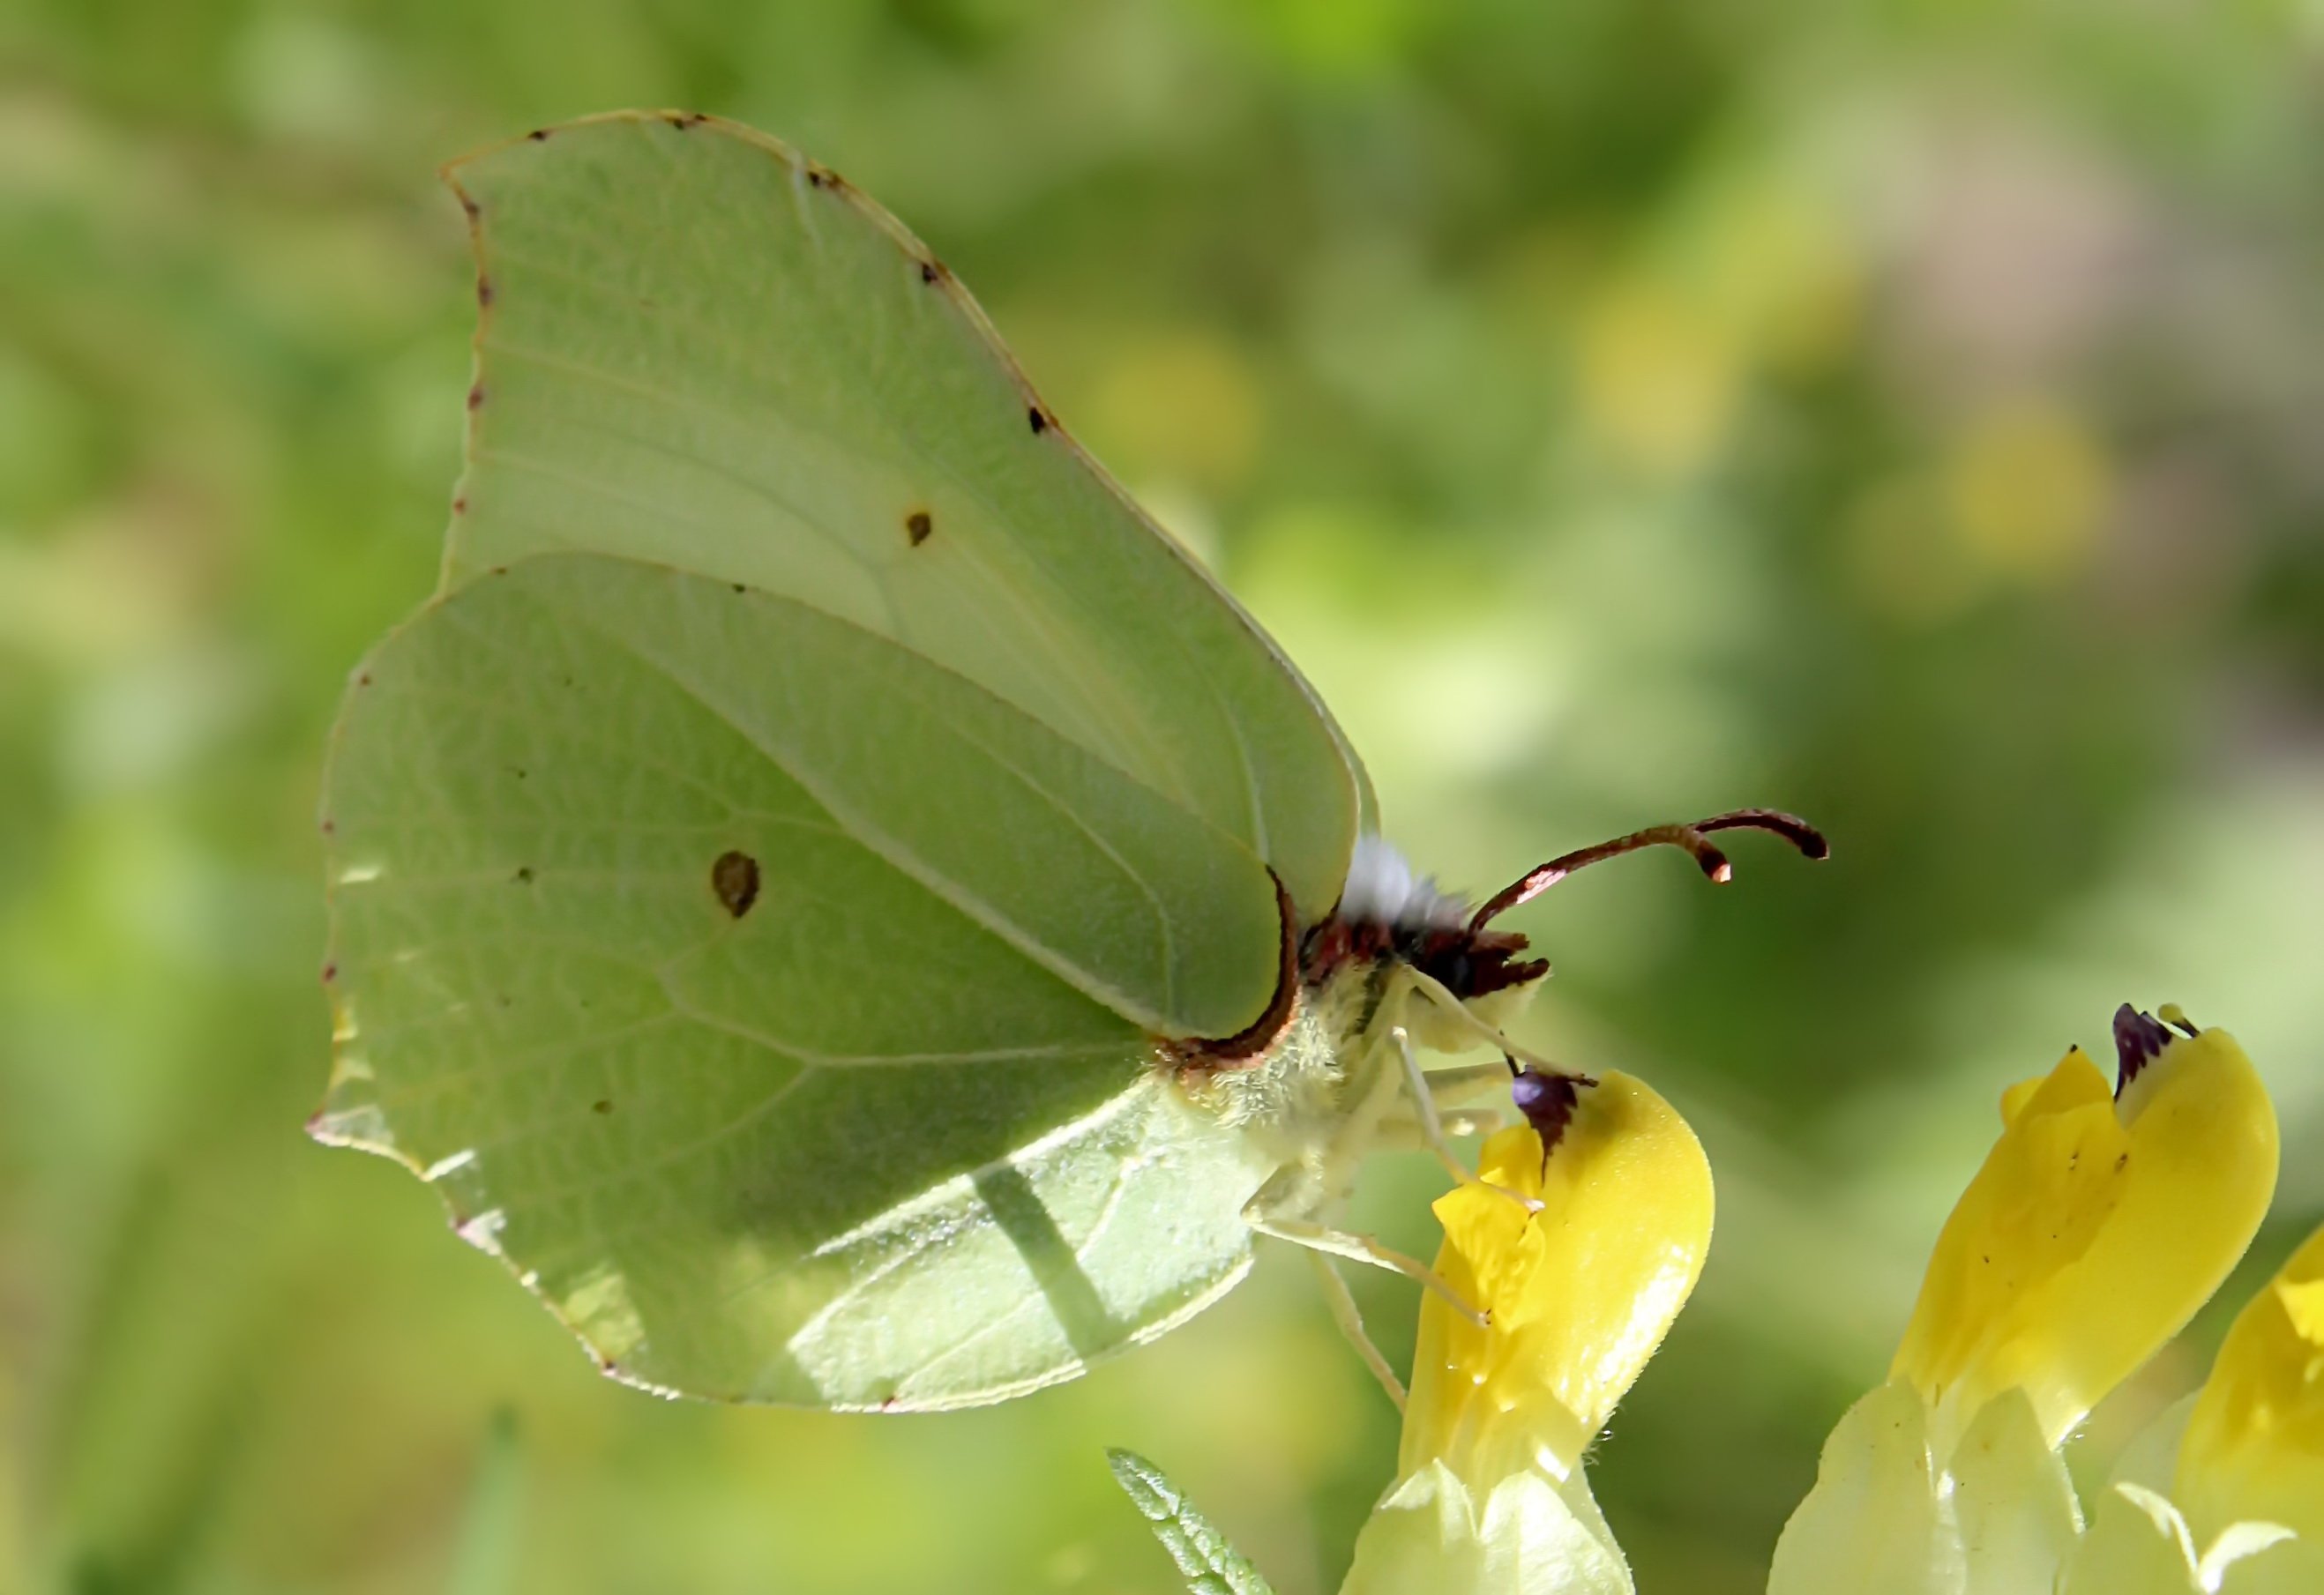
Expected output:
(1210, 1564)
(489, 1547)
(1619, 411)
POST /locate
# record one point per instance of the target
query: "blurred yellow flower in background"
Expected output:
(2256, 1441)
(2027, 488)
(1491, 1493)
(2099, 1222)
(2224, 1495)
(1658, 377)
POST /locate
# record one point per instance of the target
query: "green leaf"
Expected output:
(1211, 1565)
(485, 1555)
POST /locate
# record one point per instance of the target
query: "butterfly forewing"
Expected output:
(698, 349)
(770, 1100)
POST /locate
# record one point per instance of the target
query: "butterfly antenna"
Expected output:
(1696, 839)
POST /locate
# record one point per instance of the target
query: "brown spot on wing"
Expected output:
(734, 877)
(1038, 418)
(538, 135)
(483, 290)
(476, 397)
(918, 525)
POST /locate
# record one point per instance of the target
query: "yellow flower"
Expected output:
(2100, 1221)
(2243, 1511)
(1492, 1494)
(2098, 1225)
(2254, 1443)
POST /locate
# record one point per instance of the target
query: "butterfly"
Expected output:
(845, 908)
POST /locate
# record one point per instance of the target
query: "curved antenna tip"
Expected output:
(1695, 839)
(1803, 836)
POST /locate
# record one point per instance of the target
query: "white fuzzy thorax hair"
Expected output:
(1382, 889)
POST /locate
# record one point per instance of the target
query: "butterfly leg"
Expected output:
(1435, 990)
(1403, 1135)
(1432, 1126)
(1464, 1081)
(1468, 1082)
(1351, 1320)
(1356, 1249)
(1472, 1122)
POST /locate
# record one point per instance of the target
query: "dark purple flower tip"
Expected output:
(2139, 1040)
(1547, 1102)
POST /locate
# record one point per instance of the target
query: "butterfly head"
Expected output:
(1388, 914)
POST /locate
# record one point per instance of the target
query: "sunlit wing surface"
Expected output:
(699, 349)
(709, 955)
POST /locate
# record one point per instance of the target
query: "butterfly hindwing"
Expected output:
(765, 1080)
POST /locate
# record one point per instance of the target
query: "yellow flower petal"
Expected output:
(2254, 1450)
(1885, 1517)
(2139, 1544)
(2094, 1231)
(2013, 1503)
(1580, 1293)
(1875, 1519)
(1527, 1536)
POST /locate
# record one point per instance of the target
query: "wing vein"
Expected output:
(1095, 1050)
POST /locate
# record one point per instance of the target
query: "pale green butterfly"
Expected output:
(827, 890)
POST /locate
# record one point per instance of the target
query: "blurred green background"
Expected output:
(1905, 413)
